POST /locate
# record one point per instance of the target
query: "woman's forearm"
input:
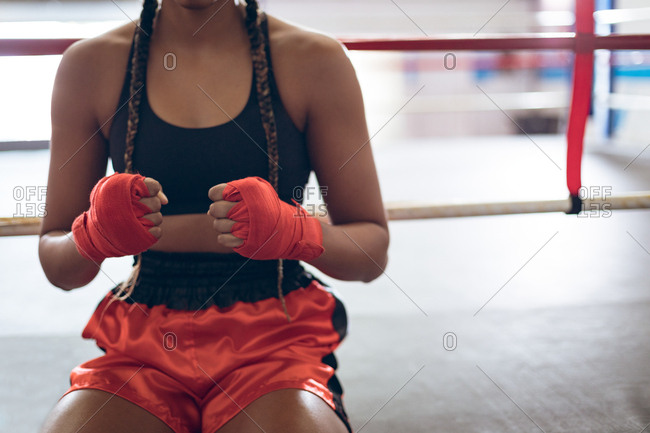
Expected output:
(353, 252)
(64, 267)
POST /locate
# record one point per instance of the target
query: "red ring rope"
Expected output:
(583, 70)
(539, 41)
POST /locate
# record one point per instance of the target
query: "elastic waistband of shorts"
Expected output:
(193, 281)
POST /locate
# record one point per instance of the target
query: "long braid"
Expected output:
(138, 76)
(261, 70)
(141, 41)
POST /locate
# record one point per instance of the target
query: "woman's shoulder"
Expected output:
(99, 52)
(308, 66)
(304, 47)
(92, 71)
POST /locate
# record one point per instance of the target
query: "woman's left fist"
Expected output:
(257, 224)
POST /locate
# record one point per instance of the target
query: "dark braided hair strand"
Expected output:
(141, 41)
(261, 71)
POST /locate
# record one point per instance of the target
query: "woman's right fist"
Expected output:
(154, 202)
(123, 219)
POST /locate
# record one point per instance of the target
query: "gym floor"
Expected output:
(485, 324)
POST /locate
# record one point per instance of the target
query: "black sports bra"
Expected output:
(189, 161)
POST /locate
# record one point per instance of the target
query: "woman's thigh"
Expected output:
(286, 411)
(95, 411)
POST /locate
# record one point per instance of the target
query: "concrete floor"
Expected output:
(561, 347)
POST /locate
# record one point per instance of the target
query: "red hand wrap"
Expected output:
(270, 228)
(114, 225)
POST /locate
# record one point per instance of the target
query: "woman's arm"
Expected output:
(77, 161)
(356, 241)
(86, 92)
(325, 91)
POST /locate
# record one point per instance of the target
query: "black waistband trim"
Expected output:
(194, 281)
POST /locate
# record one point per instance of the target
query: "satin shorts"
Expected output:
(195, 369)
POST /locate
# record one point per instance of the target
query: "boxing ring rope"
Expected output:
(411, 210)
(19, 226)
(552, 41)
(583, 43)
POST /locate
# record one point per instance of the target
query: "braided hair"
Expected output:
(142, 38)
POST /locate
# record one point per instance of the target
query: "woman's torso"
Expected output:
(206, 95)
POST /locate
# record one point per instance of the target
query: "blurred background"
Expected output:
(534, 86)
(549, 312)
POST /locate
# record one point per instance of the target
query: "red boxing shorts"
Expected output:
(195, 344)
